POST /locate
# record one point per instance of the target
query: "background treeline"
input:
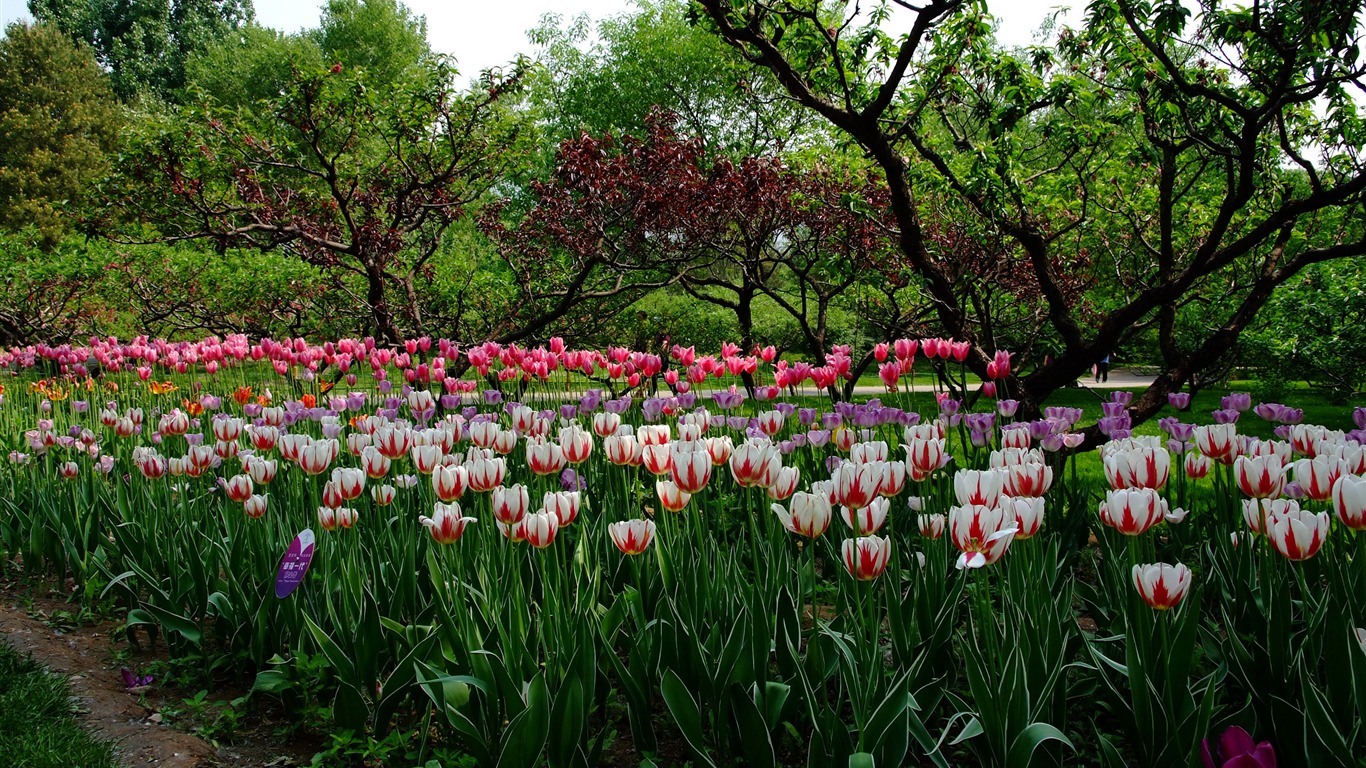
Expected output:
(172, 168)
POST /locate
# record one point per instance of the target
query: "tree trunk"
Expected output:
(383, 317)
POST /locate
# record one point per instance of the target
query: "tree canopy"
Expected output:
(145, 44)
(58, 125)
(1176, 139)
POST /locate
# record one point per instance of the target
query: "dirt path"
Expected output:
(84, 653)
(111, 713)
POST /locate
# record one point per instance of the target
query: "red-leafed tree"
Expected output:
(363, 183)
(641, 212)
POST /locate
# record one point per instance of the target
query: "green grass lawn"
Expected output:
(38, 726)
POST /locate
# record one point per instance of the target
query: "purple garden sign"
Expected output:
(295, 564)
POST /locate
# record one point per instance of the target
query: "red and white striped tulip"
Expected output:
(1261, 477)
(867, 520)
(447, 524)
(563, 504)
(632, 537)
(510, 504)
(486, 473)
(1160, 585)
(782, 482)
(856, 485)
(1349, 501)
(657, 458)
(931, 526)
(808, 514)
(350, 482)
(1027, 511)
(1133, 511)
(540, 529)
(449, 482)
(1197, 465)
(978, 487)
(238, 488)
(982, 534)
(690, 466)
(255, 506)
(867, 557)
(1297, 533)
(752, 463)
(670, 496)
(383, 494)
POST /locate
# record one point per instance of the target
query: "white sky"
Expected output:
(481, 34)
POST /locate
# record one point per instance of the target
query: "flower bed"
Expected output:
(529, 561)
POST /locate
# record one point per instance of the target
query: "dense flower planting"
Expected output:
(534, 552)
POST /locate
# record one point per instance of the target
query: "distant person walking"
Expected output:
(1103, 369)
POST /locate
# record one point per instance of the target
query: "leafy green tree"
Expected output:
(1201, 148)
(58, 125)
(145, 44)
(379, 36)
(1314, 330)
(655, 57)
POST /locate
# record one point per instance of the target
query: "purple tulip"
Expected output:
(832, 420)
(491, 396)
(1122, 397)
(620, 405)
(1237, 401)
(569, 411)
(806, 416)
(686, 400)
(133, 681)
(1237, 750)
(1113, 409)
(1226, 416)
(1007, 408)
(590, 401)
(1359, 416)
(1179, 400)
(571, 480)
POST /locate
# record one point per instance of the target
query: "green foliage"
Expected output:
(58, 125)
(1314, 330)
(39, 728)
(144, 44)
(380, 36)
(240, 70)
(657, 57)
